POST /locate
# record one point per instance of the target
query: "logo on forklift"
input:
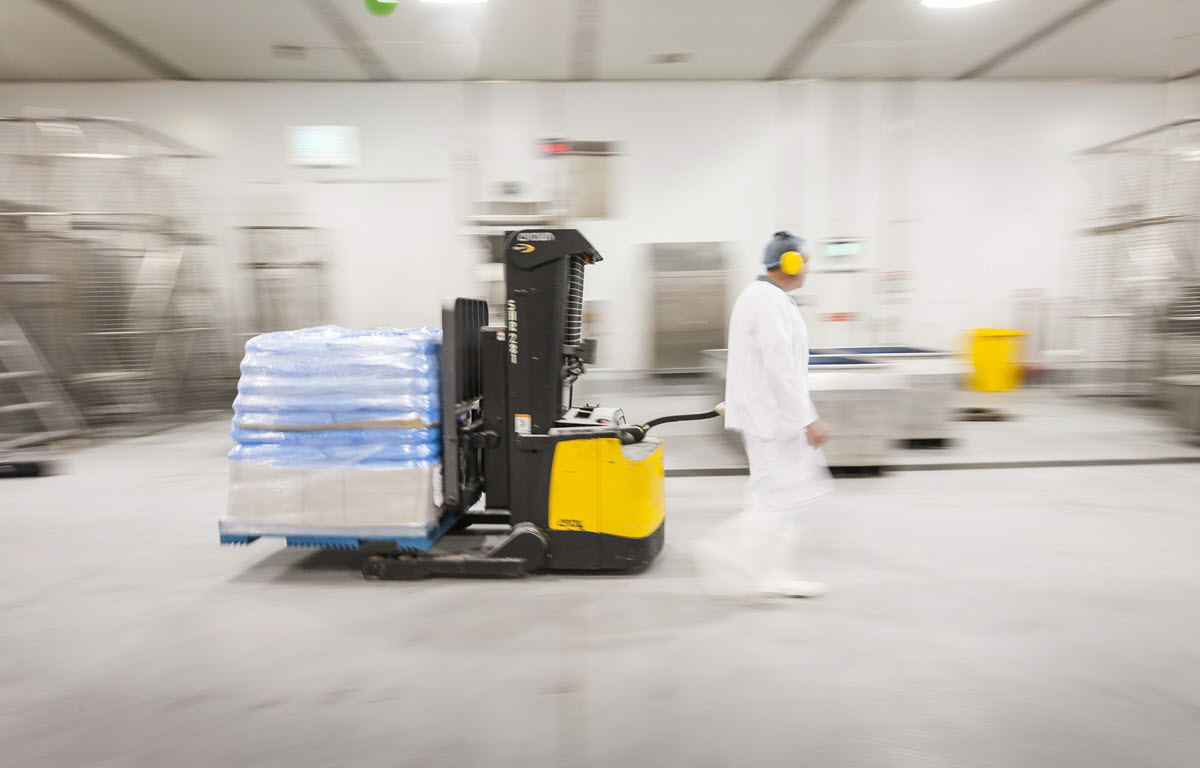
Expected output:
(523, 247)
(535, 237)
(512, 331)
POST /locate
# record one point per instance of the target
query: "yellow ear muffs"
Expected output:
(791, 263)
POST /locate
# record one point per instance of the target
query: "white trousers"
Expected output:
(762, 541)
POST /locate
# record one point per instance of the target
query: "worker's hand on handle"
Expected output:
(817, 433)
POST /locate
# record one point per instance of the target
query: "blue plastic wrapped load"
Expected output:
(325, 456)
(336, 438)
(330, 397)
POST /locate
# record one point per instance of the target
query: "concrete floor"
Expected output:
(1032, 617)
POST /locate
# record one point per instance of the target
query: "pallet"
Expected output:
(521, 552)
(412, 538)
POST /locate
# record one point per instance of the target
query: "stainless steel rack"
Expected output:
(106, 267)
(1139, 261)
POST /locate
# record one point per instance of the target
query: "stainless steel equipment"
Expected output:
(287, 276)
(1179, 353)
(36, 418)
(1139, 256)
(930, 381)
(104, 263)
(1179, 362)
(486, 225)
(580, 175)
(689, 290)
(859, 401)
(574, 183)
(1182, 394)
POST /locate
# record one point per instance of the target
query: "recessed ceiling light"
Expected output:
(952, 3)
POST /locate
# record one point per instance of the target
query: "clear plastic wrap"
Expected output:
(336, 430)
(331, 375)
(264, 498)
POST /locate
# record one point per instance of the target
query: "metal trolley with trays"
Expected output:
(579, 488)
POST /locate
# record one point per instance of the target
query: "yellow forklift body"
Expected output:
(601, 486)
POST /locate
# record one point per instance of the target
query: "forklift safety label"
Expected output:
(522, 423)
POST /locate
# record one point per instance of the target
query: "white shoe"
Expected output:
(793, 588)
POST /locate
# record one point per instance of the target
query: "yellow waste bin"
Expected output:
(994, 354)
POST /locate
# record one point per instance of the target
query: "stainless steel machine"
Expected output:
(105, 266)
(930, 381)
(1179, 360)
(690, 295)
(860, 401)
(1138, 266)
(286, 269)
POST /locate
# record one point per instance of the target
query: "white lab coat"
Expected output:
(767, 401)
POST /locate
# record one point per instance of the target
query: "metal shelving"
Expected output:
(287, 276)
(1138, 260)
(105, 265)
(35, 414)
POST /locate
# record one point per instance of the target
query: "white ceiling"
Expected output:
(891, 38)
(36, 43)
(1129, 38)
(229, 39)
(738, 40)
(602, 39)
(503, 39)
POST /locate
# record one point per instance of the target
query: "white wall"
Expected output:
(969, 186)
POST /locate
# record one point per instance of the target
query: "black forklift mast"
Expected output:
(503, 387)
(544, 322)
(544, 353)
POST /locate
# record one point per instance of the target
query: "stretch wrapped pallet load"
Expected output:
(336, 438)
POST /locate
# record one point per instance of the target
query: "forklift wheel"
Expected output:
(374, 567)
(394, 568)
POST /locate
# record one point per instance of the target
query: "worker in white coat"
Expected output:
(767, 401)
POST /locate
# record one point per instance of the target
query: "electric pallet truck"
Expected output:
(578, 487)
